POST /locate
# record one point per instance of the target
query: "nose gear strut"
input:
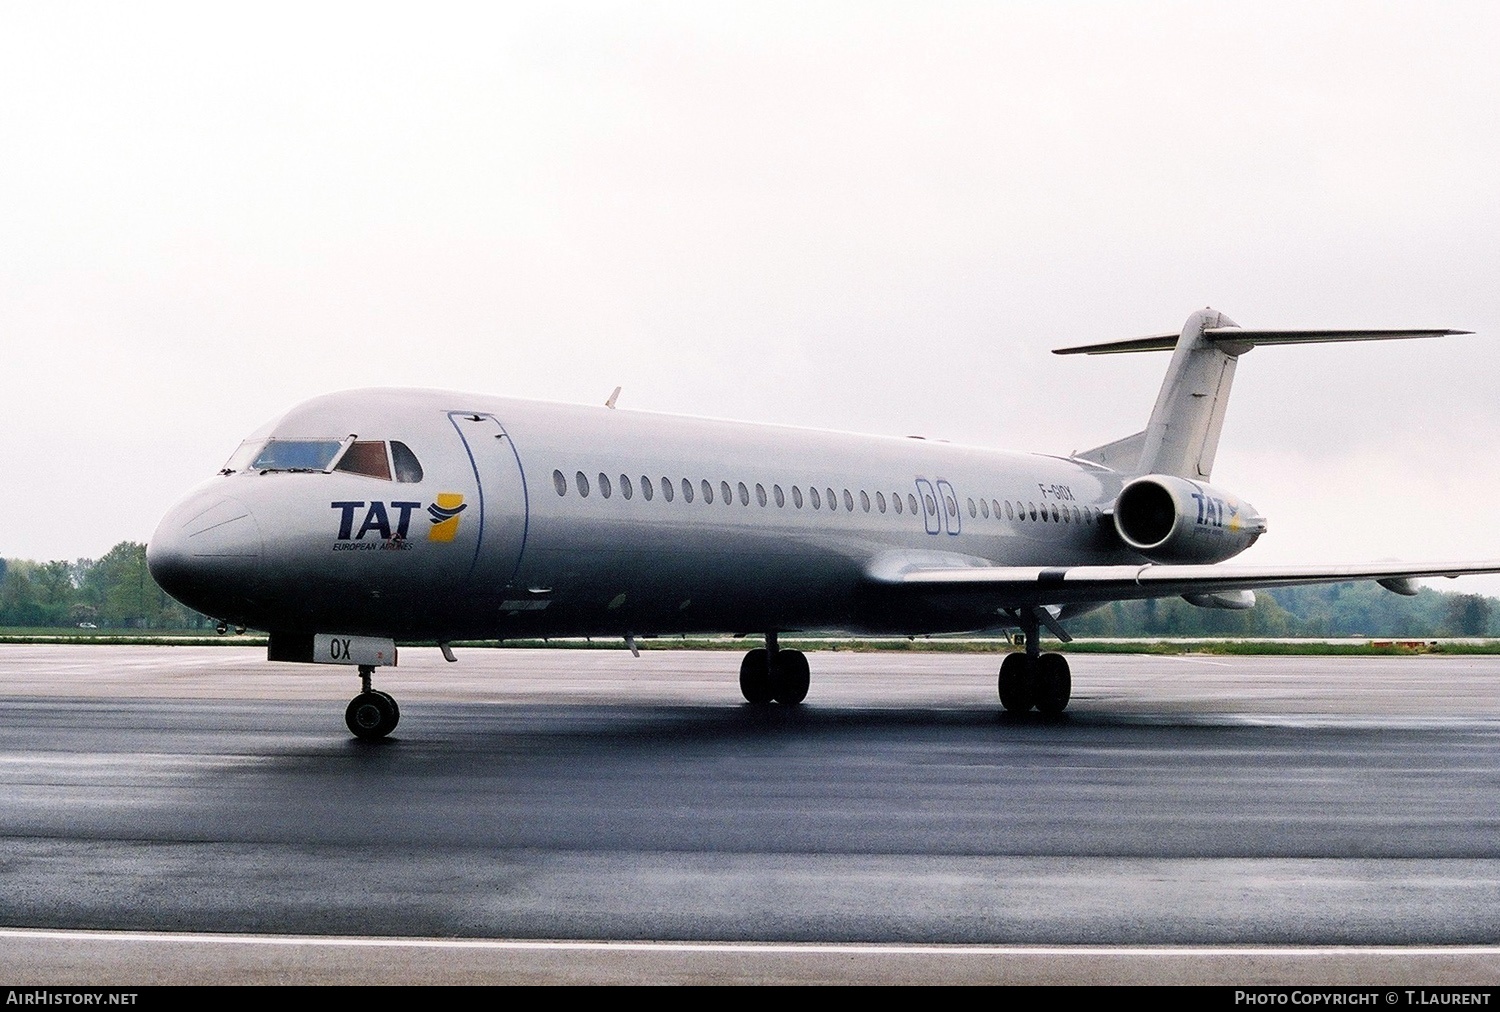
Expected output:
(372, 714)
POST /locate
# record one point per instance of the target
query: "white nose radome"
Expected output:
(206, 552)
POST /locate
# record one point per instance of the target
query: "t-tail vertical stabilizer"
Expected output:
(1183, 435)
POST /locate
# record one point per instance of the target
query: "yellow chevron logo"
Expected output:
(445, 516)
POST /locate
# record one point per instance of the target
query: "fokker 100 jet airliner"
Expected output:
(363, 519)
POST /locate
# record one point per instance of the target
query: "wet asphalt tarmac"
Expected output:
(587, 795)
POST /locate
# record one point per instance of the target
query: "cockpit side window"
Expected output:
(408, 468)
(367, 457)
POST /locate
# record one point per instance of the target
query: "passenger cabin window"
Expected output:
(560, 483)
(582, 481)
(647, 489)
(625, 488)
(366, 457)
(666, 489)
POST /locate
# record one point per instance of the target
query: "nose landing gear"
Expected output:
(371, 714)
(773, 673)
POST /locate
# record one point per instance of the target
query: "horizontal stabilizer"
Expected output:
(1227, 337)
(1156, 342)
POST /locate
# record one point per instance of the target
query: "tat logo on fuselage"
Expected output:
(387, 525)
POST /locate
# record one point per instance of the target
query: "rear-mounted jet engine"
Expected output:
(1169, 519)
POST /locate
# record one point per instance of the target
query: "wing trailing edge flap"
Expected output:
(1013, 586)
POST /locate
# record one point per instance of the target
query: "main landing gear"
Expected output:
(1034, 678)
(371, 714)
(773, 673)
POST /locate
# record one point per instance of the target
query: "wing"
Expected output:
(1022, 586)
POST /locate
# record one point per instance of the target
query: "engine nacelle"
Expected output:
(1228, 600)
(1170, 519)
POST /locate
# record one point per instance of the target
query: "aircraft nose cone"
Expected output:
(206, 553)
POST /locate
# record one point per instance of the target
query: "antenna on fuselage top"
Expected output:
(611, 402)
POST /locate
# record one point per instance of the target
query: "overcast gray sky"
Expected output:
(865, 216)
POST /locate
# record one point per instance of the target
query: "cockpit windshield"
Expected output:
(242, 457)
(297, 454)
(372, 458)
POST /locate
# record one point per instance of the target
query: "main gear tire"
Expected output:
(755, 677)
(1052, 684)
(790, 680)
(1016, 693)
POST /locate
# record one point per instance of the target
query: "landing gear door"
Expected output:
(502, 513)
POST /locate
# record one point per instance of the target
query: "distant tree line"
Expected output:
(113, 592)
(1341, 609)
(117, 592)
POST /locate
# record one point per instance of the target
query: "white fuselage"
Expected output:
(745, 528)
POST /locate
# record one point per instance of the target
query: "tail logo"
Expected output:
(445, 516)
